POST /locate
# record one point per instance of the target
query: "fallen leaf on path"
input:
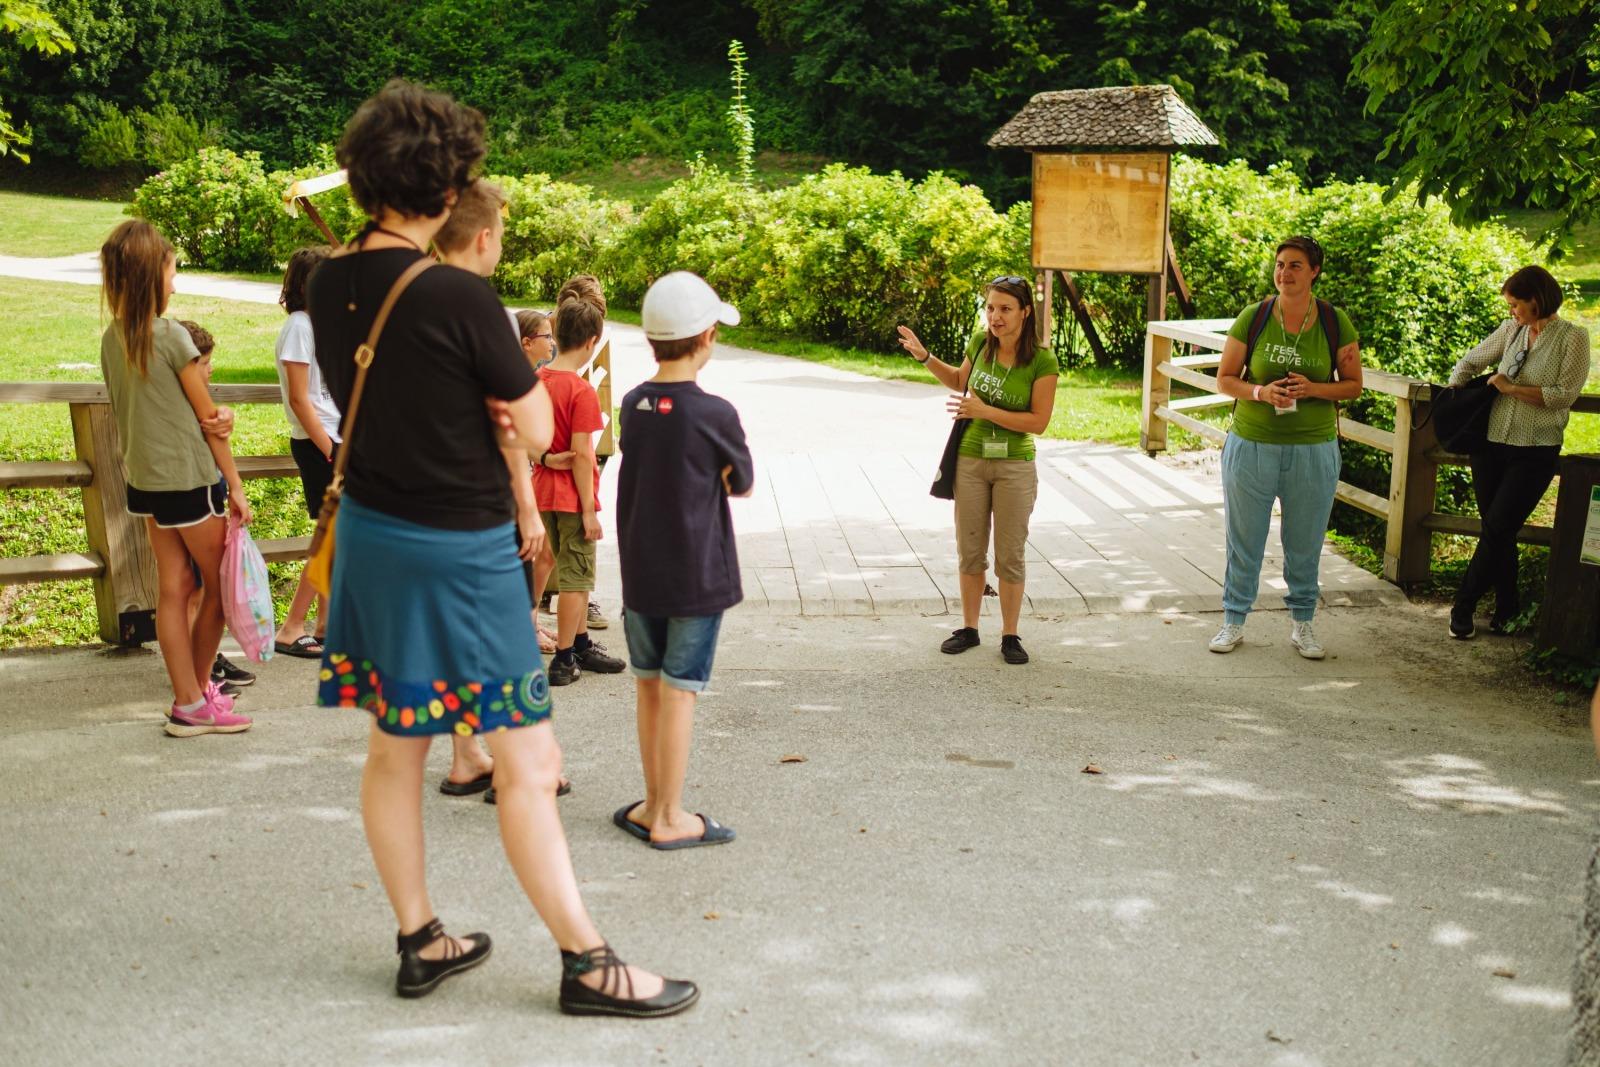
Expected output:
(1394, 944)
(358, 885)
(1093, 768)
(1280, 1040)
(1169, 758)
(792, 758)
(1504, 972)
(863, 830)
(712, 916)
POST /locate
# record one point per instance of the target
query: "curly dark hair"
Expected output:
(407, 148)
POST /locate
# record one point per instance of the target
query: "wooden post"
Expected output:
(1080, 311)
(1157, 393)
(601, 368)
(1569, 618)
(1413, 487)
(1180, 285)
(125, 595)
(1047, 303)
(316, 218)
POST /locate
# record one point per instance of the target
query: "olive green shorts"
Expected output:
(574, 552)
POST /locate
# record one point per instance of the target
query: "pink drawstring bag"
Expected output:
(246, 593)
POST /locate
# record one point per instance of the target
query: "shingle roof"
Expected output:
(1123, 116)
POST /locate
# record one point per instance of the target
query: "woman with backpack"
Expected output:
(1288, 361)
(1541, 363)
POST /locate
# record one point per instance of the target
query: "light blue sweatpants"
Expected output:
(1304, 478)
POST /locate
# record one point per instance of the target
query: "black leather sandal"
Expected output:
(418, 977)
(609, 999)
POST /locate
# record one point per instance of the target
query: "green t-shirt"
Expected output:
(1278, 352)
(163, 448)
(1007, 388)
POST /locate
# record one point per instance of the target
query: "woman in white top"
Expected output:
(1543, 363)
(313, 434)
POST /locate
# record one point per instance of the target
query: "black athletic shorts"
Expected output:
(180, 507)
(315, 471)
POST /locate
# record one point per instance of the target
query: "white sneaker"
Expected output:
(1228, 638)
(1304, 639)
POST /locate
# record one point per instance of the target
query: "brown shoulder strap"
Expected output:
(363, 357)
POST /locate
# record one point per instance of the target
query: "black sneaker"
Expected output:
(563, 672)
(960, 640)
(1011, 649)
(224, 670)
(1500, 627)
(227, 689)
(597, 660)
(1462, 629)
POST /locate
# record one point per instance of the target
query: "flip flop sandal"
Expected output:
(561, 790)
(303, 647)
(620, 819)
(715, 834)
(467, 789)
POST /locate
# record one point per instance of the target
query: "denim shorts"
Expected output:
(677, 649)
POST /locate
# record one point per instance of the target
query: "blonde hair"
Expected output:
(475, 211)
(584, 287)
(133, 264)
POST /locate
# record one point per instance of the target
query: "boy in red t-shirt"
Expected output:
(569, 499)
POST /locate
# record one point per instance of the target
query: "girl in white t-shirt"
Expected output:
(313, 435)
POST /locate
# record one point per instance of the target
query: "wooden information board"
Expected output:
(1100, 212)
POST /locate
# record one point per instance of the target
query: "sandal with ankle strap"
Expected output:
(418, 976)
(609, 999)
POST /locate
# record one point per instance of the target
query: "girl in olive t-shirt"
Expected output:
(1008, 382)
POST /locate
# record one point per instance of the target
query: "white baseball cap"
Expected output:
(682, 305)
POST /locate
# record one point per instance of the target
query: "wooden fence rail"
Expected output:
(1408, 510)
(119, 560)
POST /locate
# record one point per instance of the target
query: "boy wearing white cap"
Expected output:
(683, 455)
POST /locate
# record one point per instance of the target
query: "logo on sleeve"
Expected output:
(644, 404)
(664, 405)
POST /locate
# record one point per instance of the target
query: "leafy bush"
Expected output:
(166, 136)
(217, 207)
(699, 223)
(555, 230)
(847, 255)
(108, 139)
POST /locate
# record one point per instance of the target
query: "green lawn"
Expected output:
(54, 225)
(52, 333)
(1583, 266)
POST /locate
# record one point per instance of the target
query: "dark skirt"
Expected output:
(430, 630)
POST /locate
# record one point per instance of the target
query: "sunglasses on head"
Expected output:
(1011, 279)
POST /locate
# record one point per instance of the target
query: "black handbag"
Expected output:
(1460, 415)
(944, 486)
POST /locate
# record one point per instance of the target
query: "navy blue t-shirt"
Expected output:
(674, 529)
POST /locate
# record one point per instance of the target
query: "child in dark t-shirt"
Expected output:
(683, 455)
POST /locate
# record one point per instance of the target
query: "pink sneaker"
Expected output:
(215, 695)
(212, 718)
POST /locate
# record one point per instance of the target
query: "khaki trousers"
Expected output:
(1006, 490)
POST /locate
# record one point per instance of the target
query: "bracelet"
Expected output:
(1256, 393)
(924, 360)
(546, 452)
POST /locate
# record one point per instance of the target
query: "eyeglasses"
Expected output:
(1011, 279)
(1517, 361)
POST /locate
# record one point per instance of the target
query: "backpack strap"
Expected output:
(1257, 326)
(1329, 316)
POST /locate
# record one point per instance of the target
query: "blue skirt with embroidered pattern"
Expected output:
(430, 630)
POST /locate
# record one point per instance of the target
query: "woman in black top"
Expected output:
(430, 627)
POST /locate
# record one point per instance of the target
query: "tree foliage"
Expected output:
(909, 85)
(1502, 103)
(34, 30)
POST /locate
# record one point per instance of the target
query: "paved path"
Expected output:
(842, 524)
(1284, 864)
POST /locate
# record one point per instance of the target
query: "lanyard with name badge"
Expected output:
(995, 446)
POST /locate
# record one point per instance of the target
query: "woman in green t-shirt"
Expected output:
(1284, 443)
(1012, 381)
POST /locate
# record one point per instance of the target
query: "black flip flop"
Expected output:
(620, 819)
(715, 834)
(300, 648)
(467, 789)
(561, 790)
